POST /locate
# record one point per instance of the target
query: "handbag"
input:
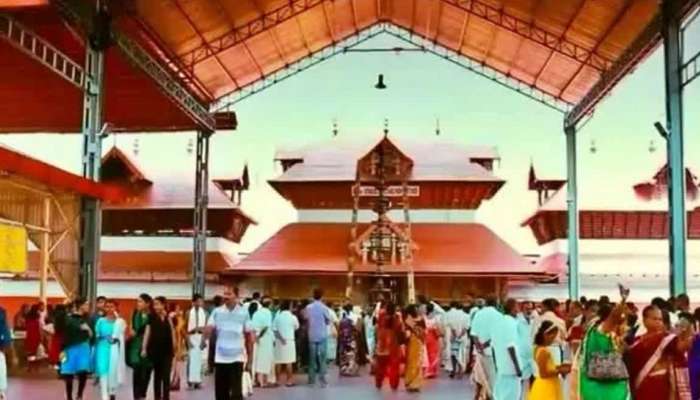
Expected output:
(605, 366)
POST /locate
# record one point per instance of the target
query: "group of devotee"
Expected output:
(511, 350)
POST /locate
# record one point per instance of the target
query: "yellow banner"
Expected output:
(13, 249)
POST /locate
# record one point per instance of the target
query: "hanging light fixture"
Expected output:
(593, 149)
(652, 146)
(380, 82)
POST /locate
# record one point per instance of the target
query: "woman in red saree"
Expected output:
(388, 352)
(657, 363)
(433, 334)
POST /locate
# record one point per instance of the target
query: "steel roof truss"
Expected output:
(41, 50)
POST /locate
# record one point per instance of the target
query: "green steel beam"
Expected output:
(673, 63)
(572, 212)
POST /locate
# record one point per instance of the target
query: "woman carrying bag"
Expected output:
(603, 374)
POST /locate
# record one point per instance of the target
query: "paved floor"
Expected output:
(360, 388)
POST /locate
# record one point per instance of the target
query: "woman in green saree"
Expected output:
(141, 365)
(605, 337)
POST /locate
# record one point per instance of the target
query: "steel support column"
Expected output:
(91, 212)
(201, 201)
(673, 63)
(572, 211)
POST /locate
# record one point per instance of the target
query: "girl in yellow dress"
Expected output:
(547, 385)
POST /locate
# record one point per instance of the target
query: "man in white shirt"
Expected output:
(196, 349)
(230, 322)
(285, 326)
(484, 325)
(508, 361)
(525, 343)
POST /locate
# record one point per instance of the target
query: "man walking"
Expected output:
(318, 317)
(508, 361)
(196, 322)
(229, 322)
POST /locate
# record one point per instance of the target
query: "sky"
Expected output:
(421, 88)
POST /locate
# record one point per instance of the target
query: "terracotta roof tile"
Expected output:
(336, 160)
(466, 249)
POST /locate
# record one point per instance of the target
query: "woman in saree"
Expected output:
(415, 345)
(387, 356)
(109, 351)
(656, 360)
(605, 338)
(433, 334)
(347, 343)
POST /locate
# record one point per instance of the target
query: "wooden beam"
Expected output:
(45, 250)
(28, 227)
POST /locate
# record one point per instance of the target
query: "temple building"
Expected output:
(147, 233)
(386, 217)
(623, 237)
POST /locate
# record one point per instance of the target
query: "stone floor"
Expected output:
(360, 388)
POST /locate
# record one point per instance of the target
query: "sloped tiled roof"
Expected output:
(336, 160)
(455, 249)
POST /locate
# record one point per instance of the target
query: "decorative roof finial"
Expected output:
(386, 127)
(335, 127)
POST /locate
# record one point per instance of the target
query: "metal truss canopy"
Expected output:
(41, 50)
(528, 30)
(530, 91)
(417, 42)
(240, 34)
(79, 14)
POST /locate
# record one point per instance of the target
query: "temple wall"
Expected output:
(365, 216)
(442, 289)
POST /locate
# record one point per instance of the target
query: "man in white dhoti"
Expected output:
(455, 334)
(507, 355)
(285, 326)
(196, 346)
(5, 343)
(263, 353)
(484, 324)
(466, 344)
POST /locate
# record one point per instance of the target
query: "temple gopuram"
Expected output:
(147, 234)
(385, 218)
(623, 237)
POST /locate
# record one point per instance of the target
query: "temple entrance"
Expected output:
(386, 287)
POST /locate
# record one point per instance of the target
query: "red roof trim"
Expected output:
(15, 163)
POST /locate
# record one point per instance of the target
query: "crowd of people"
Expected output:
(510, 350)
